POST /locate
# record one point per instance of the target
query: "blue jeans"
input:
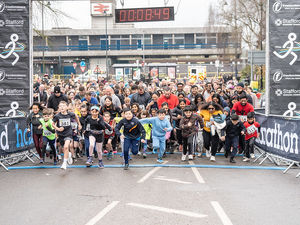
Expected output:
(132, 144)
(232, 142)
(159, 143)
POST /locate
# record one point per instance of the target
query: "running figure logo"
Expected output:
(11, 47)
(290, 50)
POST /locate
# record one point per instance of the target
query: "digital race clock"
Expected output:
(144, 14)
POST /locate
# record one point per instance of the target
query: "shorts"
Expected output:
(62, 140)
(75, 138)
(99, 137)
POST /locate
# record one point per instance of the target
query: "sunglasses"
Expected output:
(211, 108)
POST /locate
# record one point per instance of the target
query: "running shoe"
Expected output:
(144, 155)
(208, 154)
(115, 152)
(154, 151)
(160, 160)
(41, 161)
(252, 155)
(105, 151)
(183, 157)
(212, 158)
(64, 166)
(70, 159)
(139, 153)
(101, 165)
(89, 162)
(55, 163)
(191, 157)
(246, 160)
(109, 156)
(126, 167)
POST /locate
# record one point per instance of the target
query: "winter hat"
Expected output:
(57, 89)
(227, 109)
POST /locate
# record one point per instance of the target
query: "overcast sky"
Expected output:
(189, 13)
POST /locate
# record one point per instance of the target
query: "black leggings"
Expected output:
(189, 144)
(211, 141)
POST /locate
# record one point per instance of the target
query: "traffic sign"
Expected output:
(74, 65)
(257, 57)
(82, 66)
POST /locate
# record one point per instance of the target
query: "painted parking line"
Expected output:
(167, 210)
(150, 173)
(102, 213)
(196, 173)
(221, 213)
(154, 165)
(162, 178)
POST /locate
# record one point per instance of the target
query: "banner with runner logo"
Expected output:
(284, 35)
(14, 136)
(14, 57)
(279, 136)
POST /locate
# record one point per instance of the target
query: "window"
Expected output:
(200, 39)
(179, 39)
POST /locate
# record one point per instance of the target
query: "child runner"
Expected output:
(148, 128)
(133, 133)
(97, 125)
(233, 129)
(160, 126)
(189, 131)
(252, 132)
(62, 124)
(85, 131)
(34, 123)
(48, 133)
(109, 135)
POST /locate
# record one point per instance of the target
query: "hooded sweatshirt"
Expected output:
(158, 126)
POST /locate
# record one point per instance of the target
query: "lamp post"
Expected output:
(236, 41)
(43, 36)
(106, 45)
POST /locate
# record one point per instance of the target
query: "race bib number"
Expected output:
(74, 125)
(88, 127)
(107, 132)
(251, 129)
(47, 132)
(64, 122)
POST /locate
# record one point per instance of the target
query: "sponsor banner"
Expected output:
(14, 137)
(279, 136)
(14, 57)
(284, 56)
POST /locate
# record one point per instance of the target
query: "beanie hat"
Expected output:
(57, 89)
(227, 109)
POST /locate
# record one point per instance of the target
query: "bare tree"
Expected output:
(246, 17)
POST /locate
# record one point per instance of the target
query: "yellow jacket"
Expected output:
(206, 115)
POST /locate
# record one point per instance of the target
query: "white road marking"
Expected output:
(166, 210)
(197, 174)
(102, 213)
(172, 180)
(150, 173)
(221, 213)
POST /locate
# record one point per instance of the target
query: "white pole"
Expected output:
(251, 64)
(267, 78)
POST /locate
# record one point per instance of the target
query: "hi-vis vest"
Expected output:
(46, 133)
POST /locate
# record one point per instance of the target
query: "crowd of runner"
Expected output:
(70, 120)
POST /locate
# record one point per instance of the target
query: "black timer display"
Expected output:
(144, 14)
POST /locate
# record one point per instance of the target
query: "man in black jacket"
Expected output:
(40, 95)
(56, 98)
(233, 129)
(142, 97)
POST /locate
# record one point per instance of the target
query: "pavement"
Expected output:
(215, 194)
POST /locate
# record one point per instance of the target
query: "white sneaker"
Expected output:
(246, 160)
(183, 157)
(252, 155)
(191, 157)
(64, 166)
(59, 157)
(139, 153)
(212, 158)
(70, 160)
(208, 153)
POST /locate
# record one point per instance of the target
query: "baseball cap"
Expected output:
(95, 107)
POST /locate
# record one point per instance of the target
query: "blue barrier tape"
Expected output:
(154, 165)
(204, 154)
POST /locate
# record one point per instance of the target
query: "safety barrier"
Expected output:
(15, 142)
(279, 140)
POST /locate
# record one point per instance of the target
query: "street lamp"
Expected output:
(43, 36)
(106, 45)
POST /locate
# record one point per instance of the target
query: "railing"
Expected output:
(134, 47)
